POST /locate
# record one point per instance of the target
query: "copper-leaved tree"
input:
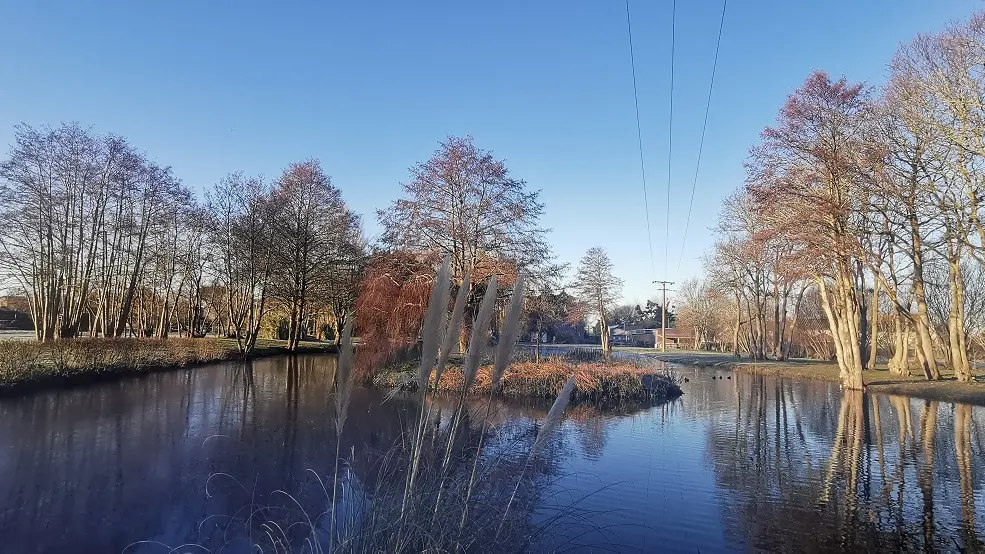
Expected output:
(807, 179)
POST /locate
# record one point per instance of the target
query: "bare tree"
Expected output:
(313, 231)
(805, 180)
(464, 204)
(703, 310)
(242, 215)
(597, 287)
(81, 210)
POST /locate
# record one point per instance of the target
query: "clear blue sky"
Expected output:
(369, 88)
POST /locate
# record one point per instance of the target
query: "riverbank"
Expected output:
(29, 365)
(879, 380)
(596, 380)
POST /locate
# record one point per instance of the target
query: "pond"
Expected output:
(739, 463)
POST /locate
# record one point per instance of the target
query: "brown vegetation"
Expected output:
(25, 364)
(593, 380)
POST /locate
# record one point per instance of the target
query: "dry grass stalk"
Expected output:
(454, 328)
(511, 331)
(433, 323)
(504, 354)
(431, 336)
(478, 343)
(550, 423)
(480, 335)
(343, 376)
(554, 415)
(343, 394)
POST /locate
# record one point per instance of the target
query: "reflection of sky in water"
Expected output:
(645, 481)
(735, 464)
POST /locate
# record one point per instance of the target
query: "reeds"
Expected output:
(425, 498)
(595, 381)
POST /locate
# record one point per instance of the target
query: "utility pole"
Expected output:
(663, 314)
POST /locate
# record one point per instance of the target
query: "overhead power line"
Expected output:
(639, 137)
(704, 127)
(670, 135)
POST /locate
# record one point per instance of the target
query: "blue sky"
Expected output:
(369, 88)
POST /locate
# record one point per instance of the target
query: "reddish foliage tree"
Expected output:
(390, 307)
(806, 180)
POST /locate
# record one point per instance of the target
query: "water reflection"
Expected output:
(801, 470)
(187, 457)
(748, 463)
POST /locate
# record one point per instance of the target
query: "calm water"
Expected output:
(742, 464)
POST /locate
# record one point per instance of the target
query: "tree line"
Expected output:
(859, 225)
(104, 241)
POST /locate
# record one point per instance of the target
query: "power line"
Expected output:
(670, 134)
(704, 126)
(639, 137)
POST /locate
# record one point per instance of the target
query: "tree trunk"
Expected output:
(604, 329)
(873, 326)
(738, 325)
(842, 311)
(958, 345)
(899, 364)
(925, 344)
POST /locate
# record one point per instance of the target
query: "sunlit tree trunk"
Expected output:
(957, 338)
(874, 326)
(899, 364)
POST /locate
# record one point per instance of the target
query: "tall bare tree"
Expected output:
(805, 178)
(598, 288)
(314, 232)
(465, 204)
(242, 216)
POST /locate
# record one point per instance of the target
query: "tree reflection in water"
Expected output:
(791, 485)
(218, 456)
(754, 463)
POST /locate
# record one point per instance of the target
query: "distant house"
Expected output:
(644, 338)
(12, 318)
(618, 335)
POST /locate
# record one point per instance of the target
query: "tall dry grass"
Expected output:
(421, 493)
(596, 381)
(434, 492)
(25, 363)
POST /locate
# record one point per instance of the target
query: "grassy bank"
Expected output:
(27, 365)
(879, 380)
(594, 380)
